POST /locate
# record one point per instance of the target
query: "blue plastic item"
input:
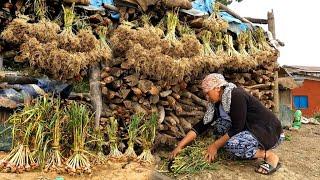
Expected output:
(98, 3)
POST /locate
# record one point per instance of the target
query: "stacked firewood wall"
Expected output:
(179, 105)
(259, 82)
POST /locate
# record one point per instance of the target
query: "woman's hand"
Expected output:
(175, 152)
(211, 153)
(191, 135)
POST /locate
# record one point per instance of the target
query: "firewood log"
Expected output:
(145, 102)
(193, 113)
(137, 91)
(184, 4)
(195, 98)
(165, 93)
(174, 117)
(110, 94)
(185, 124)
(154, 90)
(128, 104)
(166, 139)
(12, 78)
(260, 86)
(145, 85)
(189, 108)
(126, 65)
(162, 114)
(80, 96)
(176, 96)
(173, 130)
(192, 120)
(132, 80)
(104, 74)
(186, 101)
(183, 85)
(164, 103)
(117, 100)
(117, 84)
(246, 76)
(106, 69)
(194, 88)
(154, 99)
(123, 93)
(174, 104)
(170, 120)
(163, 127)
(175, 88)
(108, 80)
(139, 109)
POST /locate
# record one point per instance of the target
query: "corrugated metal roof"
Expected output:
(302, 68)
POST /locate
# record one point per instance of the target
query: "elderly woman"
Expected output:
(245, 128)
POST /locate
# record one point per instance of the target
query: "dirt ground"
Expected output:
(300, 158)
(112, 170)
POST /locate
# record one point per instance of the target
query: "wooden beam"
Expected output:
(110, 7)
(257, 20)
(225, 8)
(16, 79)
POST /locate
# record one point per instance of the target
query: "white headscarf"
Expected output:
(210, 82)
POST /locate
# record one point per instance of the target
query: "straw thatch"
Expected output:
(288, 83)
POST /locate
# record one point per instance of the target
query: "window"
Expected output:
(300, 102)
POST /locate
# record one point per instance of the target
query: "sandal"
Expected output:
(267, 167)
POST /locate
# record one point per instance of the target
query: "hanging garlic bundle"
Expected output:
(210, 59)
(242, 43)
(252, 49)
(262, 43)
(172, 22)
(105, 50)
(214, 23)
(206, 39)
(230, 48)
(40, 9)
(242, 39)
(219, 44)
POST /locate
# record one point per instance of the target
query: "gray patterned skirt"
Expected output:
(242, 145)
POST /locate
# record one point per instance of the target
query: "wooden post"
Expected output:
(271, 28)
(95, 93)
(1, 62)
(271, 24)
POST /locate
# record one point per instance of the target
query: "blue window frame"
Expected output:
(300, 102)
